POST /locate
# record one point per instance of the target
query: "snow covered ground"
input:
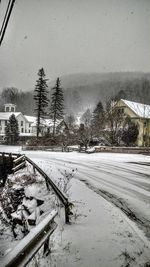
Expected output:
(111, 196)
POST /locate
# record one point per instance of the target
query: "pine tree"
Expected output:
(57, 104)
(12, 131)
(40, 97)
(98, 119)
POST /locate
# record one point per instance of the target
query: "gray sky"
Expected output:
(73, 36)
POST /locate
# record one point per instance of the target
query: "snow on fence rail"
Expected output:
(39, 236)
(62, 197)
(19, 163)
(27, 248)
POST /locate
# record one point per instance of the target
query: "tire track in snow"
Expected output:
(117, 201)
(144, 188)
(122, 205)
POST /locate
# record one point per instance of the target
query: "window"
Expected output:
(22, 130)
(7, 109)
(12, 109)
(21, 123)
(5, 123)
(0, 122)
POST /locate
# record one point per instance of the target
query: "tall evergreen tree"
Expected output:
(12, 131)
(98, 119)
(40, 97)
(57, 104)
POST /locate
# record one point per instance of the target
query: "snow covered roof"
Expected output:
(11, 104)
(27, 134)
(30, 119)
(141, 110)
(44, 122)
(6, 115)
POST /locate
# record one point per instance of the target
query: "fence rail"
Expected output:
(62, 197)
(39, 236)
(19, 163)
(27, 248)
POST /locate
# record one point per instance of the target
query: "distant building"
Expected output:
(140, 115)
(27, 124)
(10, 107)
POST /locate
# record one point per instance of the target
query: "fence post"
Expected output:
(47, 184)
(10, 164)
(4, 168)
(67, 213)
(34, 170)
(47, 249)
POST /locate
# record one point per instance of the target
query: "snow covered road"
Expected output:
(116, 177)
(122, 179)
(119, 180)
(122, 182)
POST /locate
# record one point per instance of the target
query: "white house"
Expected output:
(27, 124)
(30, 120)
(24, 122)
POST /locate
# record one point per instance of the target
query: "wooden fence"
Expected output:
(62, 197)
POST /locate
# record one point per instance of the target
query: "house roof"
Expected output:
(45, 122)
(6, 115)
(27, 134)
(30, 119)
(9, 104)
(141, 110)
(33, 120)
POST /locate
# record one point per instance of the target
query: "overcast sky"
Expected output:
(73, 36)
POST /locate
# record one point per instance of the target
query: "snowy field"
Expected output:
(111, 196)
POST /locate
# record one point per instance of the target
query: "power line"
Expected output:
(6, 20)
(6, 14)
